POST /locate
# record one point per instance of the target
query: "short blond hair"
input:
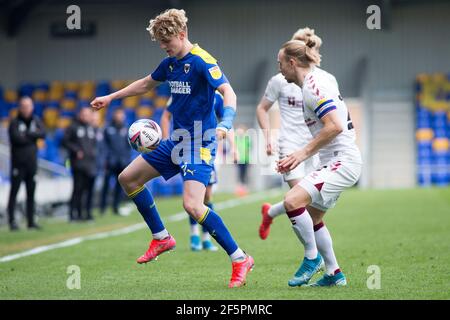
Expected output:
(168, 24)
(304, 34)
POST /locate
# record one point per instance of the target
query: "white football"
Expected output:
(144, 135)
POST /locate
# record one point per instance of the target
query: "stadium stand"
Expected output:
(433, 129)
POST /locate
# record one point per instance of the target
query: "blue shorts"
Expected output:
(193, 164)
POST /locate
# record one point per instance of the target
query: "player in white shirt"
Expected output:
(294, 134)
(330, 124)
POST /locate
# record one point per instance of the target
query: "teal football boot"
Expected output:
(306, 271)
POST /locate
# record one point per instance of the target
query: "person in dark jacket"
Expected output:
(96, 122)
(80, 141)
(117, 152)
(24, 131)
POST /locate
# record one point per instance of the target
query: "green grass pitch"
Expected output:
(404, 232)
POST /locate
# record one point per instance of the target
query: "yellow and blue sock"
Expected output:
(193, 222)
(217, 229)
(147, 207)
(211, 206)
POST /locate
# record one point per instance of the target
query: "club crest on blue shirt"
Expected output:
(215, 72)
(187, 67)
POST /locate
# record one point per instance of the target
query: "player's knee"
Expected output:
(122, 178)
(291, 202)
(288, 203)
(193, 208)
(126, 182)
(189, 207)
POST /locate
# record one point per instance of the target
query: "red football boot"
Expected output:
(156, 248)
(264, 228)
(240, 271)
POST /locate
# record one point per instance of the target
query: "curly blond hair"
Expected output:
(168, 24)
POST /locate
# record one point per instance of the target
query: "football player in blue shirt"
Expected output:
(193, 76)
(205, 242)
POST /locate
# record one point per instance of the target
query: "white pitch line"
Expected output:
(102, 235)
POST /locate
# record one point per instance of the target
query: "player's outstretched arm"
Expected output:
(229, 110)
(262, 114)
(331, 128)
(138, 87)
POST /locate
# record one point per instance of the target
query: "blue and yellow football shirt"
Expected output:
(193, 81)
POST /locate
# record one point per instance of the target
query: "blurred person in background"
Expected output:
(80, 140)
(243, 146)
(24, 131)
(97, 124)
(117, 153)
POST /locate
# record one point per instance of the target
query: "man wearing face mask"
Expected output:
(24, 131)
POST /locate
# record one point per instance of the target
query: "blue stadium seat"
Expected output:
(423, 117)
(26, 89)
(116, 103)
(424, 176)
(103, 88)
(146, 102)
(44, 86)
(53, 104)
(130, 116)
(440, 132)
(67, 113)
(83, 103)
(10, 106)
(440, 173)
(39, 109)
(68, 94)
(424, 150)
(439, 120)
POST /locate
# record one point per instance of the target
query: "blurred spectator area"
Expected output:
(433, 129)
(57, 103)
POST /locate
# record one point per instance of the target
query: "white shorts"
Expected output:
(304, 168)
(325, 185)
